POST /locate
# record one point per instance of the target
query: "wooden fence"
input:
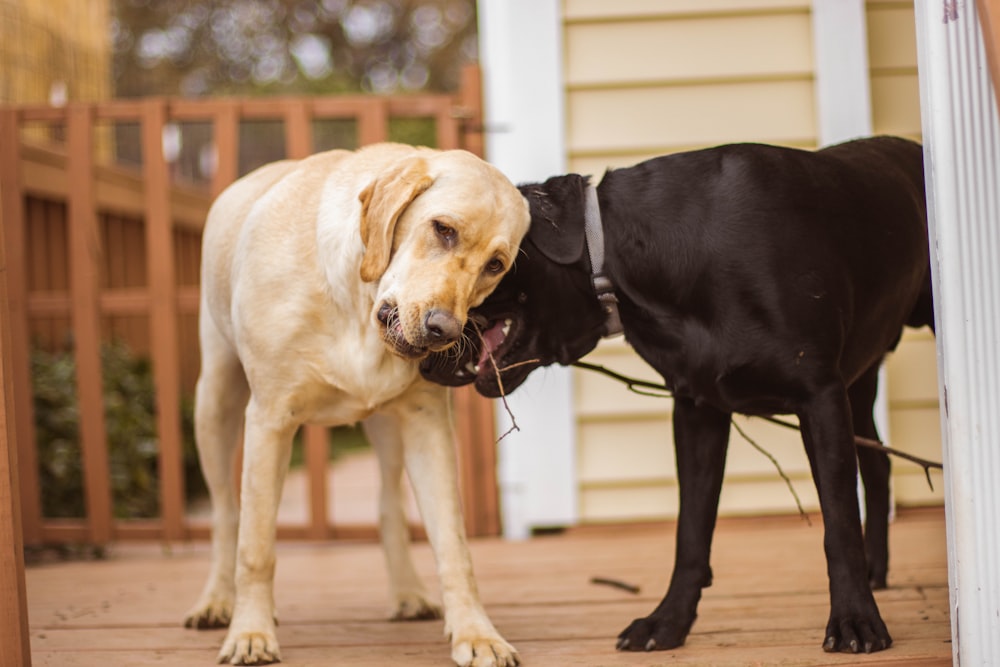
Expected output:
(99, 251)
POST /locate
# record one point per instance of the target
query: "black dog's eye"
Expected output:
(494, 266)
(447, 234)
(522, 297)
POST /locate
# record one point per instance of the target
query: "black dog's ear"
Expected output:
(557, 216)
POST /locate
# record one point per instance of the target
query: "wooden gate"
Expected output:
(97, 250)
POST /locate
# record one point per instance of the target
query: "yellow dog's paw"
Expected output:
(214, 613)
(484, 652)
(415, 607)
(250, 648)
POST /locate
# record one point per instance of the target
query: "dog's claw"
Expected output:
(651, 644)
(622, 644)
(830, 645)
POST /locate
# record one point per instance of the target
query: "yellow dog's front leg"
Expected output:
(267, 446)
(429, 455)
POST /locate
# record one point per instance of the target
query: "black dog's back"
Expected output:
(728, 258)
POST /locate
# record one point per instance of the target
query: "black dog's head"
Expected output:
(544, 311)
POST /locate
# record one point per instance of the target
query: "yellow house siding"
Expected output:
(649, 77)
(604, 10)
(892, 56)
(646, 78)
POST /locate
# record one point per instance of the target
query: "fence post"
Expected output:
(373, 122)
(298, 129)
(298, 145)
(477, 461)
(163, 317)
(477, 457)
(13, 597)
(225, 136)
(84, 258)
(15, 276)
(471, 109)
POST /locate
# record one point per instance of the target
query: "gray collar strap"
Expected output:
(594, 233)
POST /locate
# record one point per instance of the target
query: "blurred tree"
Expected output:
(201, 47)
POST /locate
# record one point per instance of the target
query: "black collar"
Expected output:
(594, 234)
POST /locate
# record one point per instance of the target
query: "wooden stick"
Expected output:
(664, 392)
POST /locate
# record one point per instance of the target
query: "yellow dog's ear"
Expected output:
(382, 202)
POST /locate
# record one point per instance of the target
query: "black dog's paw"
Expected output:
(856, 635)
(877, 578)
(653, 633)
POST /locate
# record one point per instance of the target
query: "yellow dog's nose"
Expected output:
(441, 327)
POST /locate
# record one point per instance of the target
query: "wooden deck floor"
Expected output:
(768, 605)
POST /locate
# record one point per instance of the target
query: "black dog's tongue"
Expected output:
(493, 338)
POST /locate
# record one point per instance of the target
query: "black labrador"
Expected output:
(755, 279)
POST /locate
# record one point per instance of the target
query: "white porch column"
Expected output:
(521, 55)
(843, 92)
(962, 163)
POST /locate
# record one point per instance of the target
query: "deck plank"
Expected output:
(768, 604)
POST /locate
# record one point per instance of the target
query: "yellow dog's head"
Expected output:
(440, 228)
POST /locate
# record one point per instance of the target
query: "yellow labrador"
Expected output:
(325, 281)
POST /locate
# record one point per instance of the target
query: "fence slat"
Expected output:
(84, 241)
(226, 134)
(471, 109)
(163, 317)
(13, 596)
(12, 215)
(473, 413)
(315, 439)
(373, 122)
(477, 461)
(298, 144)
(298, 130)
(448, 126)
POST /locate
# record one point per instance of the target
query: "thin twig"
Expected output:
(777, 466)
(862, 441)
(859, 441)
(510, 366)
(616, 583)
(503, 394)
(629, 382)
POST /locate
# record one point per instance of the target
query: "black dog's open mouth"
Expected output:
(492, 338)
(486, 358)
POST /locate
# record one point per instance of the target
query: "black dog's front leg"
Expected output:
(855, 624)
(701, 435)
(875, 469)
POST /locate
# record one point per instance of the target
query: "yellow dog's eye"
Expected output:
(494, 266)
(447, 234)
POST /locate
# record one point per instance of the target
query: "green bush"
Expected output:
(130, 420)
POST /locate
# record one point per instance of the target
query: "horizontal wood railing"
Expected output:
(90, 247)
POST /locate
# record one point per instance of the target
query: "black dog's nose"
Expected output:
(442, 327)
